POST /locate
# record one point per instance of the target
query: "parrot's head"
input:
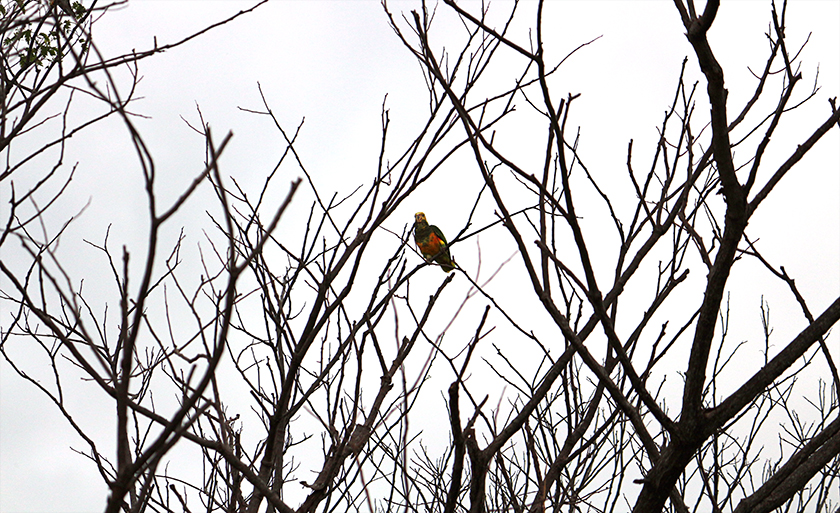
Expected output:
(420, 218)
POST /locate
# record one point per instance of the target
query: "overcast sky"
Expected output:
(333, 63)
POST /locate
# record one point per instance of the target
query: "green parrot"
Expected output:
(432, 243)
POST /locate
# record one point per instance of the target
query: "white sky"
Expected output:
(333, 63)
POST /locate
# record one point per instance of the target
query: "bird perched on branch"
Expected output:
(432, 243)
(65, 6)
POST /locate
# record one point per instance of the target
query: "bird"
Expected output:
(65, 6)
(432, 243)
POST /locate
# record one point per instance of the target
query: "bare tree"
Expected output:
(676, 207)
(297, 366)
(49, 59)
